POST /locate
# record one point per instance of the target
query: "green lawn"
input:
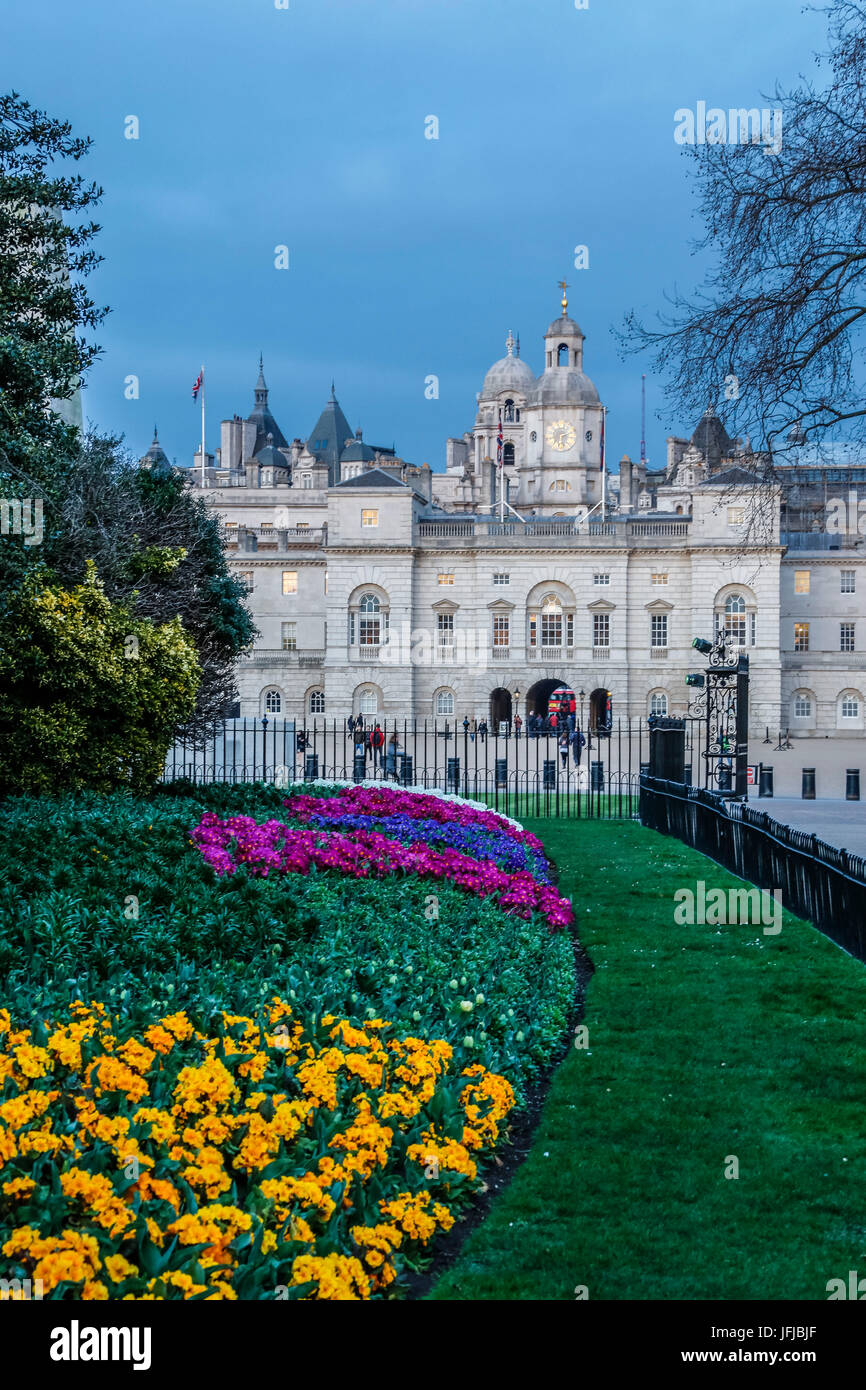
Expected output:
(704, 1042)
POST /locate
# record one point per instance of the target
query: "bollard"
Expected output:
(501, 772)
(548, 773)
(452, 779)
(406, 770)
(852, 784)
(311, 767)
(359, 770)
(596, 775)
(808, 792)
(765, 781)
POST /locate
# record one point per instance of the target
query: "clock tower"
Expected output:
(561, 473)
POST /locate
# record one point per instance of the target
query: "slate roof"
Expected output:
(329, 437)
(374, 477)
(712, 439)
(156, 457)
(732, 476)
(262, 418)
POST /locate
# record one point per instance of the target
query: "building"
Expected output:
(393, 590)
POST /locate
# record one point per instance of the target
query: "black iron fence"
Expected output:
(564, 771)
(824, 884)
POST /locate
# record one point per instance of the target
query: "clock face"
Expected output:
(561, 435)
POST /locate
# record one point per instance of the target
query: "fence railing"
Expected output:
(520, 772)
(818, 881)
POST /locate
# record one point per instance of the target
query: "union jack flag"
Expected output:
(499, 443)
(199, 383)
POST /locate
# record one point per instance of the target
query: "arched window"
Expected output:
(562, 355)
(551, 622)
(368, 702)
(849, 704)
(273, 702)
(508, 454)
(370, 621)
(737, 616)
(802, 705)
(317, 702)
(445, 702)
(508, 413)
(659, 703)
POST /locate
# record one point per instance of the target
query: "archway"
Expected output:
(500, 707)
(600, 706)
(538, 695)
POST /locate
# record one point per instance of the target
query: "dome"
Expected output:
(270, 456)
(510, 373)
(564, 386)
(564, 327)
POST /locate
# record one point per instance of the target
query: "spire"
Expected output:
(517, 349)
(333, 395)
(155, 438)
(261, 391)
(509, 343)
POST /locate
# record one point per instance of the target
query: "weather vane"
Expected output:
(563, 285)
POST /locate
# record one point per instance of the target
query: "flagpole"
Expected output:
(202, 426)
(604, 463)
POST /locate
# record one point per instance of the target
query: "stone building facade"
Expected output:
(393, 590)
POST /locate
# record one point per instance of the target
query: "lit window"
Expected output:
(659, 704)
(601, 629)
(326, 581)
(658, 580)
(801, 637)
(850, 707)
(231, 525)
(369, 517)
(267, 526)
(847, 581)
(273, 702)
(500, 580)
(736, 516)
(317, 702)
(600, 580)
(500, 629)
(290, 637)
(802, 580)
(802, 707)
(302, 526)
(290, 581)
(445, 580)
(659, 629)
(846, 637)
(445, 702)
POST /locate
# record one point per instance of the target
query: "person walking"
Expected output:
(518, 725)
(377, 739)
(577, 745)
(482, 731)
(473, 729)
(350, 725)
(563, 749)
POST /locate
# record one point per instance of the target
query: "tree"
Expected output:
(46, 252)
(777, 327)
(91, 693)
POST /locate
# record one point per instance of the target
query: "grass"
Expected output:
(704, 1042)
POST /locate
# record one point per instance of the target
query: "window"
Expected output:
(600, 580)
(290, 581)
(445, 580)
(326, 581)
(317, 702)
(847, 581)
(248, 580)
(659, 704)
(846, 637)
(601, 629)
(368, 702)
(445, 702)
(306, 480)
(501, 627)
(560, 485)
(551, 622)
(369, 517)
(801, 637)
(802, 580)
(562, 355)
(659, 629)
(850, 707)
(501, 580)
(267, 526)
(290, 637)
(508, 456)
(533, 629)
(445, 629)
(302, 526)
(658, 581)
(231, 525)
(735, 619)
(802, 706)
(370, 624)
(273, 702)
(736, 516)
(509, 411)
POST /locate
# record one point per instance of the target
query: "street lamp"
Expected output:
(582, 697)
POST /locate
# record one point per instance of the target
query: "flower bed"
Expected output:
(414, 951)
(273, 1159)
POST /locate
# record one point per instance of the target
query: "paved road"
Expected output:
(841, 823)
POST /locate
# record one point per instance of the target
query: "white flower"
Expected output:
(469, 1041)
(479, 998)
(466, 1005)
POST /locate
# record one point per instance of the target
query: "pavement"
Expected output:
(840, 823)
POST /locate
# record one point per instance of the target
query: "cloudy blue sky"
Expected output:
(304, 127)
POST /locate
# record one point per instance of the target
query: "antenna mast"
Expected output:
(643, 418)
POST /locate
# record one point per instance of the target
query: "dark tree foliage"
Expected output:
(777, 328)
